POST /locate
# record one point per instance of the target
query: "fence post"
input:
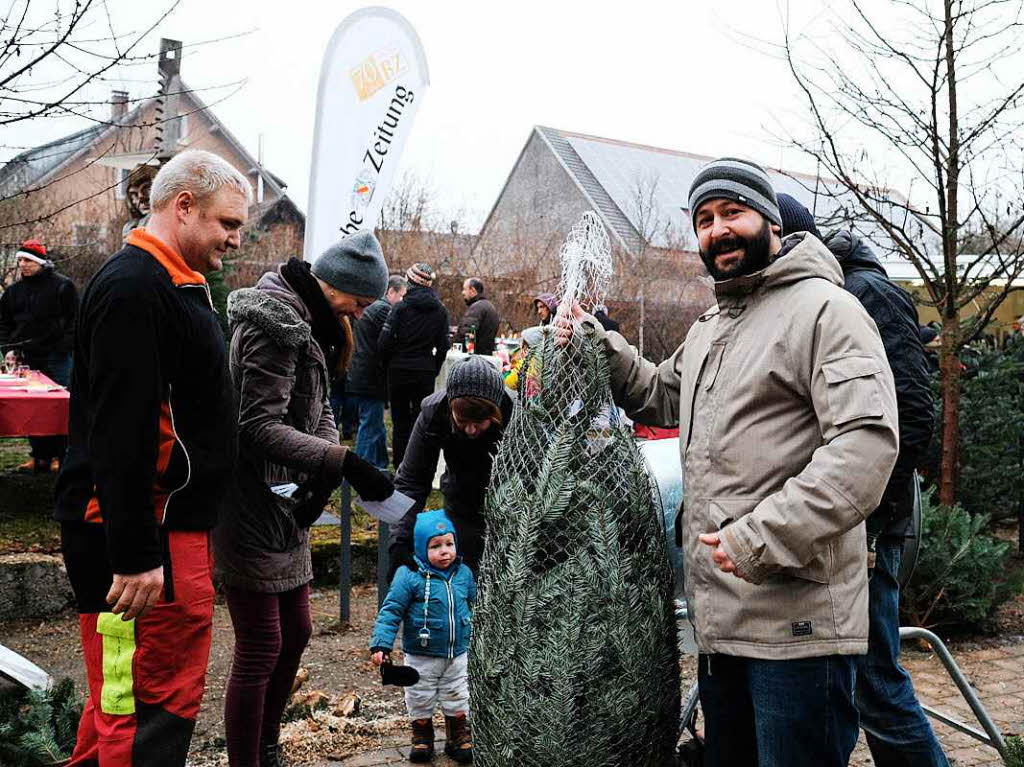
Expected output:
(345, 570)
(383, 562)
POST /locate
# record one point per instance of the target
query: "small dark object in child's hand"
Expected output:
(399, 676)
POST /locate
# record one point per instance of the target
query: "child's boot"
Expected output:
(422, 741)
(459, 739)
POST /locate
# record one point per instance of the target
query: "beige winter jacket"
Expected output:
(788, 433)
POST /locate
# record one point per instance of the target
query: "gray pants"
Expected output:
(441, 679)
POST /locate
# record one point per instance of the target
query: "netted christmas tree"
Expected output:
(574, 658)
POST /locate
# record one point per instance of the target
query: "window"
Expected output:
(121, 190)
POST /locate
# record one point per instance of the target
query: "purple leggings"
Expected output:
(271, 631)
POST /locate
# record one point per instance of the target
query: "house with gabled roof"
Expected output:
(640, 194)
(70, 193)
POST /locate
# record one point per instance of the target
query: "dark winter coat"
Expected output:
(481, 317)
(465, 480)
(366, 375)
(896, 317)
(151, 435)
(285, 429)
(37, 315)
(415, 337)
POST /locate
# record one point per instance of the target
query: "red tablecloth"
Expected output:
(33, 413)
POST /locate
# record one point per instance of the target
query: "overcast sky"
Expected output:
(669, 74)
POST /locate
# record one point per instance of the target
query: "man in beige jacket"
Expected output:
(788, 433)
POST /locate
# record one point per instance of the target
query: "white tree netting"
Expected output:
(574, 658)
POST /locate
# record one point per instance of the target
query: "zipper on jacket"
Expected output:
(188, 461)
(451, 619)
(209, 295)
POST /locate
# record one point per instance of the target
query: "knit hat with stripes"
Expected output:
(739, 180)
(420, 274)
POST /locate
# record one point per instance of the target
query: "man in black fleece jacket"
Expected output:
(412, 346)
(151, 445)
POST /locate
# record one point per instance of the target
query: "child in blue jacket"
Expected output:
(433, 603)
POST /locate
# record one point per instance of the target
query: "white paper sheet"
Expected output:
(390, 510)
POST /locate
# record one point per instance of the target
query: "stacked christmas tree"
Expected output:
(574, 658)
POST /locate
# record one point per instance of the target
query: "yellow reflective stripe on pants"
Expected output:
(118, 696)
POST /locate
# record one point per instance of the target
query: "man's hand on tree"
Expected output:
(134, 595)
(564, 322)
(369, 482)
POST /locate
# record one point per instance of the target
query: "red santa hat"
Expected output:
(34, 250)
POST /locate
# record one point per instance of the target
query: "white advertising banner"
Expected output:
(372, 82)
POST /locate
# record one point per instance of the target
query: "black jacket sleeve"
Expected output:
(470, 321)
(896, 317)
(127, 385)
(416, 475)
(441, 342)
(388, 334)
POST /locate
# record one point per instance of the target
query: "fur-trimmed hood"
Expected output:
(273, 308)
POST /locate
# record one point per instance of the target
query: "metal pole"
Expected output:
(994, 737)
(383, 562)
(345, 574)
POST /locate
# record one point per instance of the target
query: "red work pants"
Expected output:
(146, 676)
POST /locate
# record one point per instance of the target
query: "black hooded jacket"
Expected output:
(896, 317)
(415, 336)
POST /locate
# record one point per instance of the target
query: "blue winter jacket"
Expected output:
(439, 627)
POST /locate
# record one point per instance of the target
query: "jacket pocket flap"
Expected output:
(722, 511)
(845, 368)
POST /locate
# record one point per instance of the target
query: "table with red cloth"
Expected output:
(33, 407)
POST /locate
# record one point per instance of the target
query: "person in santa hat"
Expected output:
(37, 325)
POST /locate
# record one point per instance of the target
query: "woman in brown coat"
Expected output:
(289, 335)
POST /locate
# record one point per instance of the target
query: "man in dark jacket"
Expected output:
(897, 730)
(480, 319)
(367, 381)
(413, 345)
(37, 324)
(469, 445)
(150, 446)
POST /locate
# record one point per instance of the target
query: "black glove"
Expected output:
(367, 480)
(311, 498)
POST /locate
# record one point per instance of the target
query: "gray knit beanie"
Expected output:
(733, 179)
(355, 264)
(475, 377)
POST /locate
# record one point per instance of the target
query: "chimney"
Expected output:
(118, 105)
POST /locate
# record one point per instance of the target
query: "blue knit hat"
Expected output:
(795, 216)
(430, 524)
